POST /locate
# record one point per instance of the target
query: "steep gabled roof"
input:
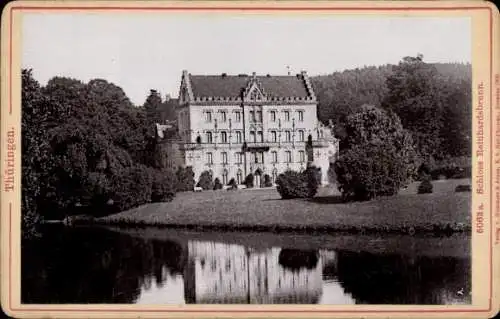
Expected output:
(231, 86)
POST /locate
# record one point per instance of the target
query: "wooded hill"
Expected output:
(432, 100)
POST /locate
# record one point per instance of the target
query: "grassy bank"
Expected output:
(262, 209)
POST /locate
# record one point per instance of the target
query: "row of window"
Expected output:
(257, 157)
(255, 137)
(255, 116)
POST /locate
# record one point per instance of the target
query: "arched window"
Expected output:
(198, 139)
(288, 156)
(224, 157)
(288, 136)
(223, 136)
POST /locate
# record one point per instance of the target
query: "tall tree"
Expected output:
(414, 95)
(153, 106)
(378, 156)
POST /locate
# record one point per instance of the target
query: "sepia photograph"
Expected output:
(238, 157)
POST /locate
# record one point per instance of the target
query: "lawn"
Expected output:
(259, 209)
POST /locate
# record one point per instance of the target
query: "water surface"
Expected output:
(162, 266)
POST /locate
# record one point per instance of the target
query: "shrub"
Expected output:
(232, 184)
(205, 181)
(312, 176)
(425, 187)
(163, 189)
(291, 184)
(249, 180)
(463, 188)
(185, 179)
(267, 181)
(217, 184)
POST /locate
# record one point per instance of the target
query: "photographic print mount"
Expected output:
(222, 216)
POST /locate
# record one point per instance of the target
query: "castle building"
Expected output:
(234, 125)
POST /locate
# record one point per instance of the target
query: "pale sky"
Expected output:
(143, 51)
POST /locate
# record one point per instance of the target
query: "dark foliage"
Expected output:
(425, 187)
(232, 184)
(463, 188)
(249, 181)
(185, 179)
(217, 184)
(433, 101)
(267, 181)
(84, 145)
(164, 186)
(206, 181)
(378, 157)
(291, 184)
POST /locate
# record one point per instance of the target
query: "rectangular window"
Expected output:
(252, 116)
(259, 116)
(260, 138)
(273, 116)
(274, 155)
(209, 158)
(238, 116)
(208, 116)
(223, 116)
(252, 136)
(301, 116)
(301, 136)
(288, 136)
(287, 116)
(288, 156)
(209, 137)
(223, 136)
(238, 157)
(238, 137)
(302, 156)
(274, 137)
(224, 158)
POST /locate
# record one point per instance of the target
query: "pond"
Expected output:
(169, 266)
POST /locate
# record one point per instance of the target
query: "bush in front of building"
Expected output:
(217, 184)
(232, 184)
(312, 176)
(425, 187)
(185, 179)
(163, 187)
(292, 184)
(249, 181)
(205, 181)
(267, 181)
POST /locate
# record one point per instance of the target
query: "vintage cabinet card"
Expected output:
(250, 159)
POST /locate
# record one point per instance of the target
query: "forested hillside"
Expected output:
(432, 100)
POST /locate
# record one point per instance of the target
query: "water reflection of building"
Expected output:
(222, 273)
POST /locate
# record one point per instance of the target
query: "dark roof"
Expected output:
(231, 85)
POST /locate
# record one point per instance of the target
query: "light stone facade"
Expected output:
(237, 125)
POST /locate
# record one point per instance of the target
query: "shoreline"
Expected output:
(432, 229)
(441, 213)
